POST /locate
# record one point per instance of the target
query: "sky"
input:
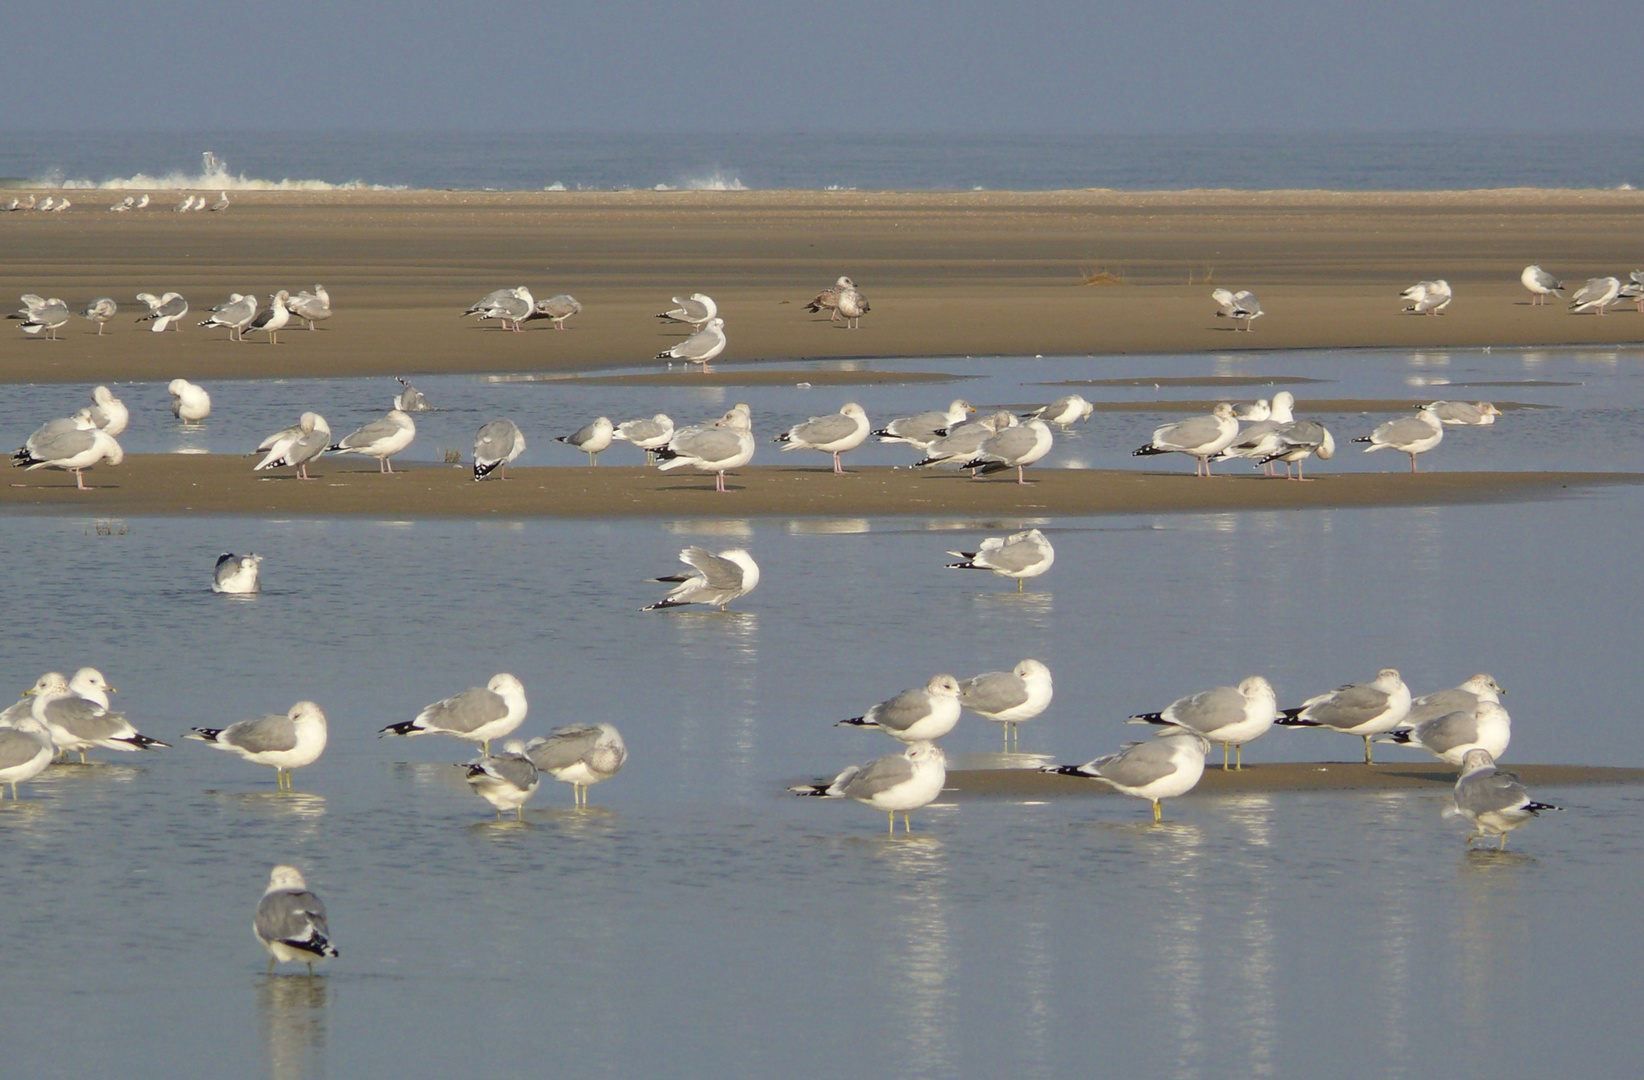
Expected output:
(846, 66)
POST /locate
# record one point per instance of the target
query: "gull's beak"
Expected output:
(110, 689)
(30, 692)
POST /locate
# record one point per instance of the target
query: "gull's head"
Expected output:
(514, 746)
(1222, 411)
(1185, 738)
(286, 877)
(960, 406)
(102, 395)
(943, 686)
(1389, 678)
(1257, 687)
(1488, 408)
(1477, 758)
(927, 752)
(854, 411)
(1482, 682)
(177, 387)
(1284, 399)
(52, 682)
(89, 678)
(505, 684)
(716, 323)
(1032, 671)
(844, 283)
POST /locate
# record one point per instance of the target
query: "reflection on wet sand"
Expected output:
(291, 1020)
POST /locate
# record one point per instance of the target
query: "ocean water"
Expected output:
(472, 161)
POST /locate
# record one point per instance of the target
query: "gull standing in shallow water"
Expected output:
(714, 580)
(189, 402)
(837, 433)
(477, 715)
(237, 575)
(25, 751)
(1009, 697)
(1412, 434)
(1164, 768)
(1229, 715)
(581, 755)
(410, 399)
(895, 783)
(1493, 800)
(282, 742)
(76, 713)
(296, 446)
(1199, 437)
(291, 922)
(1020, 556)
(1465, 413)
(1362, 709)
(1064, 412)
(917, 715)
(648, 435)
(717, 448)
(381, 439)
(700, 347)
(1541, 284)
(497, 443)
(109, 412)
(591, 438)
(506, 780)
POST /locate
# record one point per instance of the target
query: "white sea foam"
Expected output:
(718, 181)
(213, 174)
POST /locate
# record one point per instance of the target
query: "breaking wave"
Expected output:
(718, 181)
(213, 174)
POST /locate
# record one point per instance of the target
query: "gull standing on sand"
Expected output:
(1064, 412)
(714, 580)
(221, 203)
(311, 307)
(1428, 297)
(1464, 698)
(295, 447)
(1229, 715)
(1298, 441)
(237, 575)
(25, 751)
(837, 433)
(497, 444)
(591, 438)
(123, 205)
(49, 315)
(1163, 768)
(1465, 413)
(828, 299)
(1258, 439)
(74, 450)
(381, 439)
(477, 715)
(1492, 800)
(895, 783)
(236, 313)
(506, 780)
(852, 306)
(1014, 448)
(100, 311)
(1237, 305)
(1362, 709)
(507, 305)
(700, 347)
(961, 443)
(922, 429)
(273, 318)
(697, 309)
(1200, 437)
(581, 755)
(77, 714)
(1486, 726)
(291, 921)
(1411, 434)
(185, 206)
(410, 399)
(1541, 284)
(648, 435)
(717, 448)
(556, 309)
(1598, 294)
(109, 412)
(189, 402)
(164, 311)
(281, 741)
(1009, 697)
(917, 715)
(1020, 556)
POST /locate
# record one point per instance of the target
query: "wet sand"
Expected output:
(948, 274)
(1290, 776)
(168, 484)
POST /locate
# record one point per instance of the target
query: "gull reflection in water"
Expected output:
(717, 699)
(1173, 852)
(923, 980)
(1491, 938)
(291, 1017)
(738, 527)
(1255, 966)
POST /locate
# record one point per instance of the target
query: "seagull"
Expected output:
(142, 202)
(1428, 297)
(1257, 439)
(1633, 289)
(1230, 715)
(48, 315)
(715, 580)
(1599, 293)
(1412, 434)
(922, 429)
(828, 299)
(1362, 709)
(186, 205)
(700, 347)
(1201, 437)
(648, 435)
(1009, 697)
(236, 313)
(917, 715)
(1493, 800)
(100, 311)
(725, 445)
(291, 922)
(959, 444)
(1013, 448)
(76, 713)
(895, 783)
(311, 307)
(1452, 736)
(1163, 768)
(164, 311)
(497, 443)
(504, 304)
(557, 309)
(25, 751)
(1540, 283)
(506, 780)
(410, 399)
(237, 575)
(281, 741)
(381, 439)
(296, 446)
(1251, 412)
(1299, 440)
(1064, 412)
(477, 715)
(581, 755)
(1467, 697)
(62, 204)
(1020, 555)
(17, 204)
(837, 433)
(189, 402)
(1465, 413)
(697, 310)
(74, 450)
(852, 306)
(591, 438)
(109, 412)
(46, 204)
(1237, 305)
(220, 204)
(273, 318)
